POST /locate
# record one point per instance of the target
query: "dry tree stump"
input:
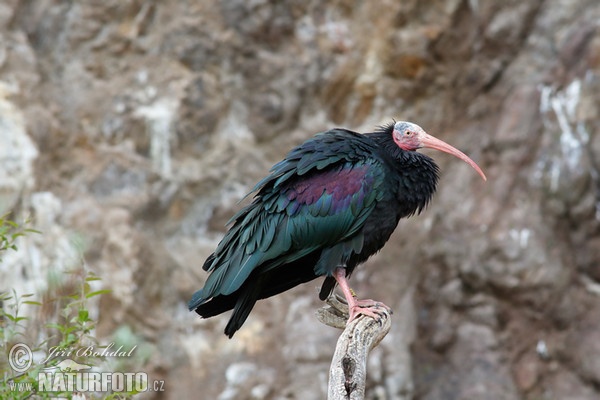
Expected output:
(348, 370)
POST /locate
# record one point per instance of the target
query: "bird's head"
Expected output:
(410, 137)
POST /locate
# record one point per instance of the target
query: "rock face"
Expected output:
(138, 125)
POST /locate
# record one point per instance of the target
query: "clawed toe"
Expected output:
(370, 308)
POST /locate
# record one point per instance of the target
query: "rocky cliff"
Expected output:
(130, 129)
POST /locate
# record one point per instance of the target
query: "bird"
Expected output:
(329, 205)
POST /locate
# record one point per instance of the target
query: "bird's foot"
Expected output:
(368, 307)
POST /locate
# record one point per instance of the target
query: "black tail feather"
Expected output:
(327, 288)
(259, 286)
(241, 301)
(217, 305)
(243, 306)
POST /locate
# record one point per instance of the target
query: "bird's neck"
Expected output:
(416, 174)
(386, 143)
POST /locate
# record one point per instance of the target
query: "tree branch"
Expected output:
(348, 371)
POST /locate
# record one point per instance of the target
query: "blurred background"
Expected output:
(129, 130)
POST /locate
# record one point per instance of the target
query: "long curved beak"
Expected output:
(431, 142)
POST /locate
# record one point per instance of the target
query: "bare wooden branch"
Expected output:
(348, 371)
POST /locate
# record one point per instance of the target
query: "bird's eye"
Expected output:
(408, 133)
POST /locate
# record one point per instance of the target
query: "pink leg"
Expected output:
(357, 307)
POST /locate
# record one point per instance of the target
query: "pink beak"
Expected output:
(430, 142)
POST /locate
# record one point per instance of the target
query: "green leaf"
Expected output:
(6, 297)
(97, 292)
(33, 303)
(58, 327)
(15, 319)
(83, 315)
(16, 235)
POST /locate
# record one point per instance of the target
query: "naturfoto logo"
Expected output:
(69, 375)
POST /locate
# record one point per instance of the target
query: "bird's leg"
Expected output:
(357, 307)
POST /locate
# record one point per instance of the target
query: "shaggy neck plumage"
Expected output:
(416, 173)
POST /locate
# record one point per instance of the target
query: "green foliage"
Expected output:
(70, 332)
(10, 231)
